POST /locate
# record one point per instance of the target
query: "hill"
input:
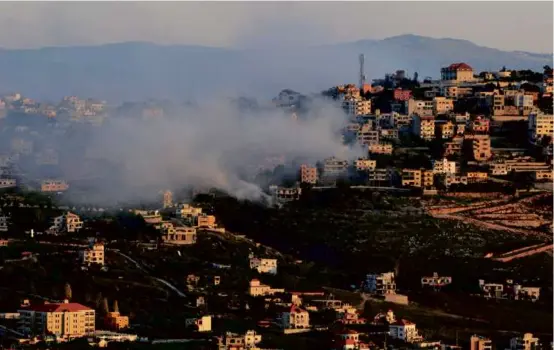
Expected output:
(137, 70)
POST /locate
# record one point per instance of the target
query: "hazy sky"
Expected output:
(504, 25)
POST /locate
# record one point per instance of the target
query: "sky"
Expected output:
(504, 25)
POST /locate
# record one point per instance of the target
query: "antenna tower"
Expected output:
(362, 74)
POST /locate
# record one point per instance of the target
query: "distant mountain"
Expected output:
(137, 70)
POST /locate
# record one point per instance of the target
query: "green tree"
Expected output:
(115, 306)
(67, 291)
(105, 306)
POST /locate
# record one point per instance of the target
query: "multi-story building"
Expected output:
(308, 174)
(420, 107)
(363, 164)
(263, 265)
(187, 210)
(235, 341)
(388, 134)
(200, 324)
(295, 318)
(457, 73)
(356, 106)
(380, 176)
(480, 125)
(285, 194)
(454, 92)
(334, 167)
(445, 166)
(167, 199)
(540, 125)
(480, 146)
(404, 330)
(179, 234)
(205, 221)
(68, 222)
(427, 178)
(435, 281)
(368, 137)
(54, 186)
(480, 343)
(93, 255)
(417, 178)
(527, 342)
(540, 175)
(442, 105)
(424, 127)
(380, 284)
(454, 147)
(451, 179)
(402, 95)
(259, 289)
(380, 148)
(444, 129)
(8, 183)
(476, 176)
(115, 321)
(66, 320)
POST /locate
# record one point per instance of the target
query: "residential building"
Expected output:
(179, 234)
(308, 174)
(540, 125)
(451, 179)
(67, 320)
(402, 95)
(444, 129)
(334, 167)
(420, 107)
(424, 127)
(480, 125)
(167, 199)
(436, 281)
(454, 147)
(187, 210)
(205, 221)
(365, 164)
(404, 330)
(354, 106)
(368, 137)
(285, 194)
(492, 290)
(480, 146)
(263, 265)
(380, 148)
(259, 289)
(527, 342)
(115, 321)
(456, 92)
(380, 284)
(200, 324)
(457, 73)
(235, 341)
(380, 176)
(476, 176)
(68, 222)
(54, 186)
(442, 105)
(3, 222)
(348, 339)
(93, 255)
(445, 166)
(539, 175)
(295, 318)
(388, 134)
(480, 343)
(412, 177)
(427, 178)
(151, 217)
(8, 183)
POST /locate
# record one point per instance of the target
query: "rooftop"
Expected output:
(59, 307)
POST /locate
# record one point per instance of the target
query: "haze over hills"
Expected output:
(136, 70)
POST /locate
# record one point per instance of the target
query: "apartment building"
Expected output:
(67, 320)
(115, 321)
(368, 137)
(8, 183)
(295, 318)
(263, 265)
(454, 147)
(451, 179)
(200, 324)
(540, 125)
(308, 174)
(380, 176)
(93, 255)
(334, 167)
(179, 234)
(424, 127)
(442, 105)
(354, 106)
(527, 342)
(478, 342)
(388, 134)
(435, 281)
(420, 107)
(404, 330)
(152, 217)
(480, 125)
(380, 148)
(454, 92)
(363, 164)
(54, 186)
(540, 175)
(444, 129)
(235, 341)
(417, 178)
(205, 221)
(68, 222)
(476, 176)
(445, 166)
(457, 73)
(380, 284)
(285, 194)
(187, 210)
(167, 199)
(402, 95)
(257, 289)
(480, 146)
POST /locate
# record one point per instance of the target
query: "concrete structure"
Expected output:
(308, 174)
(93, 255)
(187, 210)
(334, 167)
(3, 223)
(68, 222)
(540, 125)
(480, 146)
(457, 73)
(380, 284)
(354, 106)
(480, 343)
(480, 125)
(451, 179)
(67, 320)
(234, 341)
(285, 194)
(404, 330)
(402, 95)
(444, 129)
(527, 342)
(167, 199)
(205, 221)
(179, 235)
(201, 324)
(259, 289)
(115, 321)
(442, 105)
(365, 164)
(424, 127)
(151, 217)
(420, 107)
(380, 148)
(436, 281)
(445, 166)
(295, 318)
(54, 186)
(264, 265)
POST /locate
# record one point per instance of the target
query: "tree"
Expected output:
(115, 306)
(105, 306)
(67, 291)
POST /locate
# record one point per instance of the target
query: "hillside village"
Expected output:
(439, 237)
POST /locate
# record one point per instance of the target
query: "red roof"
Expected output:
(296, 309)
(402, 323)
(459, 66)
(63, 307)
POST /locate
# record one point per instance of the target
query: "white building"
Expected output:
(354, 106)
(444, 166)
(523, 100)
(232, 341)
(68, 222)
(93, 255)
(202, 324)
(264, 265)
(295, 318)
(527, 342)
(404, 330)
(380, 284)
(540, 125)
(450, 180)
(424, 127)
(436, 281)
